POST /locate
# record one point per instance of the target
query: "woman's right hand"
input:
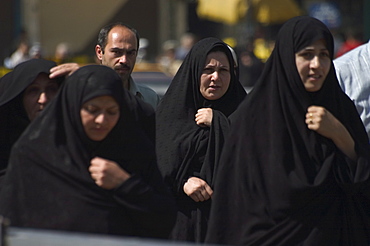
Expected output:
(203, 117)
(197, 189)
(107, 174)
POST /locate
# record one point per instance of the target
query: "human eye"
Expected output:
(52, 89)
(90, 109)
(116, 52)
(113, 111)
(131, 52)
(325, 54)
(208, 70)
(32, 90)
(306, 55)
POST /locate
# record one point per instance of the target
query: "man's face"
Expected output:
(120, 52)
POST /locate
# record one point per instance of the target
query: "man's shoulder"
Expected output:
(146, 93)
(145, 88)
(357, 55)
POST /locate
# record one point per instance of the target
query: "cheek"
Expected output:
(204, 81)
(327, 68)
(226, 80)
(51, 95)
(302, 69)
(115, 119)
(86, 119)
(30, 100)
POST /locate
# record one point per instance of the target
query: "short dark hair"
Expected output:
(103, 34)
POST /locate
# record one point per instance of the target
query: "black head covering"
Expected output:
(13, 116)
(48, 168)
(280, 183)
(185, 149)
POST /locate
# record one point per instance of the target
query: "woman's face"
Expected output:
(215, 78)
(99, 115)
(38, 94)
(313, 65)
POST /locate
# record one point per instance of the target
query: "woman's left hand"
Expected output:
(197, 189)
(204, 117)
(322, 121)
(326, 124)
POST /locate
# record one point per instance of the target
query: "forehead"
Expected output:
(103, 101)
(43, 79)
(120, 35)
(319, 44)
(217, 56)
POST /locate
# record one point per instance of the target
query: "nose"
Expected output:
(315, 62)
(100, 119)
(42, 98)
(215, 75)
(123, 59)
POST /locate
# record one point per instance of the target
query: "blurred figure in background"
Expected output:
(36, 51)
(62, 53)
(351, 41)
(142, 52)
(250, 67)
(167, 59)
(20, 55)
(187, 41)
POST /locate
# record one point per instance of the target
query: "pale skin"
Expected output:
(214, 82)
(107, 174)
(313, 65)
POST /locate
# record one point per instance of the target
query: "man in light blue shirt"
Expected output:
(353, 72)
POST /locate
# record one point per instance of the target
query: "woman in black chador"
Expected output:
(24, 93)
(88, 163)
(192, 121)
(295, 168)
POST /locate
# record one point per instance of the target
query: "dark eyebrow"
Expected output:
(119, 49)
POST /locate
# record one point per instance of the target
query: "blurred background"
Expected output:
(66, 30)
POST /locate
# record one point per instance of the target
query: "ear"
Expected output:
(99, 52)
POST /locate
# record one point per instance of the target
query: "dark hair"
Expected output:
(103, 34)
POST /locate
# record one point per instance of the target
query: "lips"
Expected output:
(214, 87)
(314, 76)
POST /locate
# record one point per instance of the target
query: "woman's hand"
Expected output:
(107, 174)
(203, 117)
(323, 122)
(198, 189)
